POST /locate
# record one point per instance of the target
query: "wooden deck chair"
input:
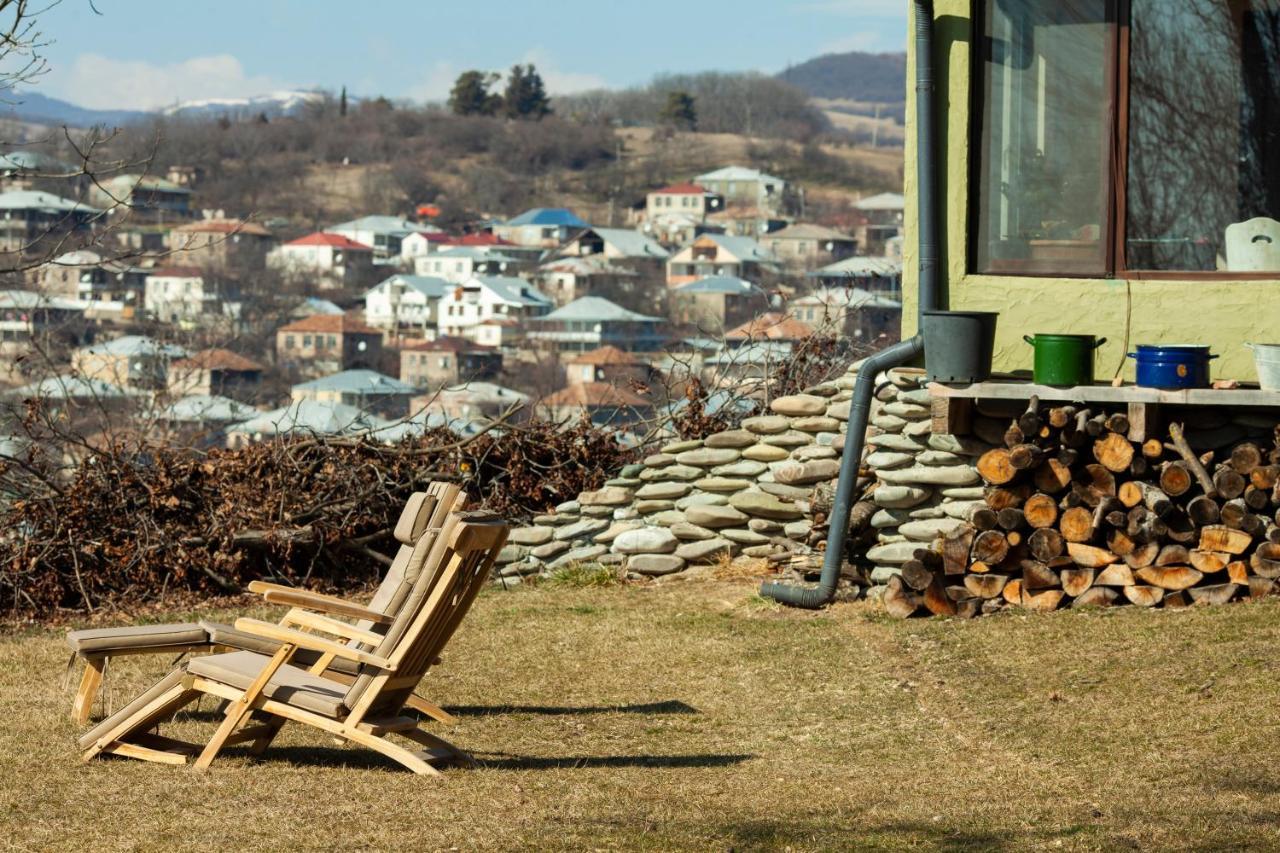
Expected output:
(424, 511)
(368, 712)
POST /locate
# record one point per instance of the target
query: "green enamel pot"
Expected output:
(1064, 359)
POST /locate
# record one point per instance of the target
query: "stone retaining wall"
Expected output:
(750, 491)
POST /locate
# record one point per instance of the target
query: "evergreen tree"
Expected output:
(342, 103)
(471, 96)
(680, 111)
(526, 95)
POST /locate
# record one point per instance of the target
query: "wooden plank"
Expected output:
(1015, 390)
(1144, 421)
(952, 415)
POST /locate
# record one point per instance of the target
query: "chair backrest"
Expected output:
(459, 563)
(424, 511)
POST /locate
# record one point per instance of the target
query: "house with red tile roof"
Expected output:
(215, 372)
(603, 403)
(606, 364)
(329, 260)
(221, 243)
(327, 343)
(447, 360)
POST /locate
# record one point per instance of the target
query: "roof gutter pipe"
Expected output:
(896, 355)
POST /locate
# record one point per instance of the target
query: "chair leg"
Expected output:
(435, 712)
(82, 707)
(395, 752)
(236, 714)
(259, 746)
(161, 708)
(432, 741)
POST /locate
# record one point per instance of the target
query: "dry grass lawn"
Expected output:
(692, 714)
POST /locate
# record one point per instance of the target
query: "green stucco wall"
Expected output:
(1223, 314)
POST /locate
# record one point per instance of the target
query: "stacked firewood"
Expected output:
(1075, 513)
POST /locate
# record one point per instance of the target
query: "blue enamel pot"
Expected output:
(1173, 367)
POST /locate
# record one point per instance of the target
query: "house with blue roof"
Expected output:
(545, 227)
(405, 302)
(592, 322)
(364, 389)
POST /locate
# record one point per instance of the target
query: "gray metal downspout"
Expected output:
(896, 355)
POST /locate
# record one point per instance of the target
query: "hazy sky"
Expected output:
(147, 53)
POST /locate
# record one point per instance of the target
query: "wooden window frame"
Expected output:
(1118, 13)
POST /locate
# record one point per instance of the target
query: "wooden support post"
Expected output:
(1144, 421)
(952, 415)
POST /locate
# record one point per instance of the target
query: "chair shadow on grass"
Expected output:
(335, 756)
(671, 706)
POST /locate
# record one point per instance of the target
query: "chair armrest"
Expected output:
(305, 619)
(295, 597)
(310, 641)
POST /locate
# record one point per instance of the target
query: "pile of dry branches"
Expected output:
(134, 521)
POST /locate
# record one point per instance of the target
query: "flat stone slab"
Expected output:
(685, 473)
(631, 471)
(799, 405)
(816, 423)
(616, 529)
(551, 550)
(686, 532)
(666, 518)
(705, 552)
(765, 453)
(940, 457)
(708, 457)
(764, 525)
(568, 507)
(839, 411)
(888, 423)
(883, 518)
(892, 441)
(806, 473)
(702, 499)
(900, 497)
(530, 535)
(734, 438)
(764, 505)
(918, 429)
(659, 460)
(655, 565)
(644, 507)
(954, 475)
(781, 490)
(888, 459)
(715, 517)
(910, 411)
(583, 529)
(511, 554)
(963, 445)
(585, 554)
(798, 530)
(744, 537)
(681, 446)
(805, 454)
(663, 491)
(893, 552)
(790, 439)
(964, 493)
(722, 484)
(741, 468)
(648, 540)
(767, 424)
(608, 496)
(928, 530)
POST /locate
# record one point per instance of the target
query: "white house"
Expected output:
(460, 263)
(180, 295)
(405, 301)
(332, 260)
(489, 301)
(422, 242)
(384, 233)
(739, 185)
(615, 244)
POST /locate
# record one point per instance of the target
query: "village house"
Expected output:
(385, 234)
(185, 296)
(304, 417)
(604, 404)
(770, 326)
(84, 275)
(447, 361)
(606, 364)
(592, 322)
(469, 404)
(26, 170)
(745, 367)
(716, 302)
(622, 245)
(144, 197)
(850, 312)
(567, 279)
(806, 246)
(460, 263)
(327, 343)
(881, 276)
(720, 255)
(364, 389)
(215, 372)
(481, 300)
(688, 200)
(201, 420)
(28, 318)
(133, 361)
(744, 187)
(221, 244)
(405, 303)
(32, 222)
(541, 227)
(421, 243)
(740, 221)
(880, 219)
(328, 260)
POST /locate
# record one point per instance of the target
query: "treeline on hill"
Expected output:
(476, 164)
(868, 77)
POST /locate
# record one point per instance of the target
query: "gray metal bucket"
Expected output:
(958, 345)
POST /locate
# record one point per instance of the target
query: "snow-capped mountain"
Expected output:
(272, 105)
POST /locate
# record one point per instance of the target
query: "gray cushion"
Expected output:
(106, 640)
(414, 517)
(228, 635)
(290, 684)
(170, 680)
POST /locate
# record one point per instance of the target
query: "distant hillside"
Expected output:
(866, 77)
(41, 109)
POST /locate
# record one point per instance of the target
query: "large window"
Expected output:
(1127, 138)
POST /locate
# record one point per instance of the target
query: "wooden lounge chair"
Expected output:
(423, 512)
(272, 690)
